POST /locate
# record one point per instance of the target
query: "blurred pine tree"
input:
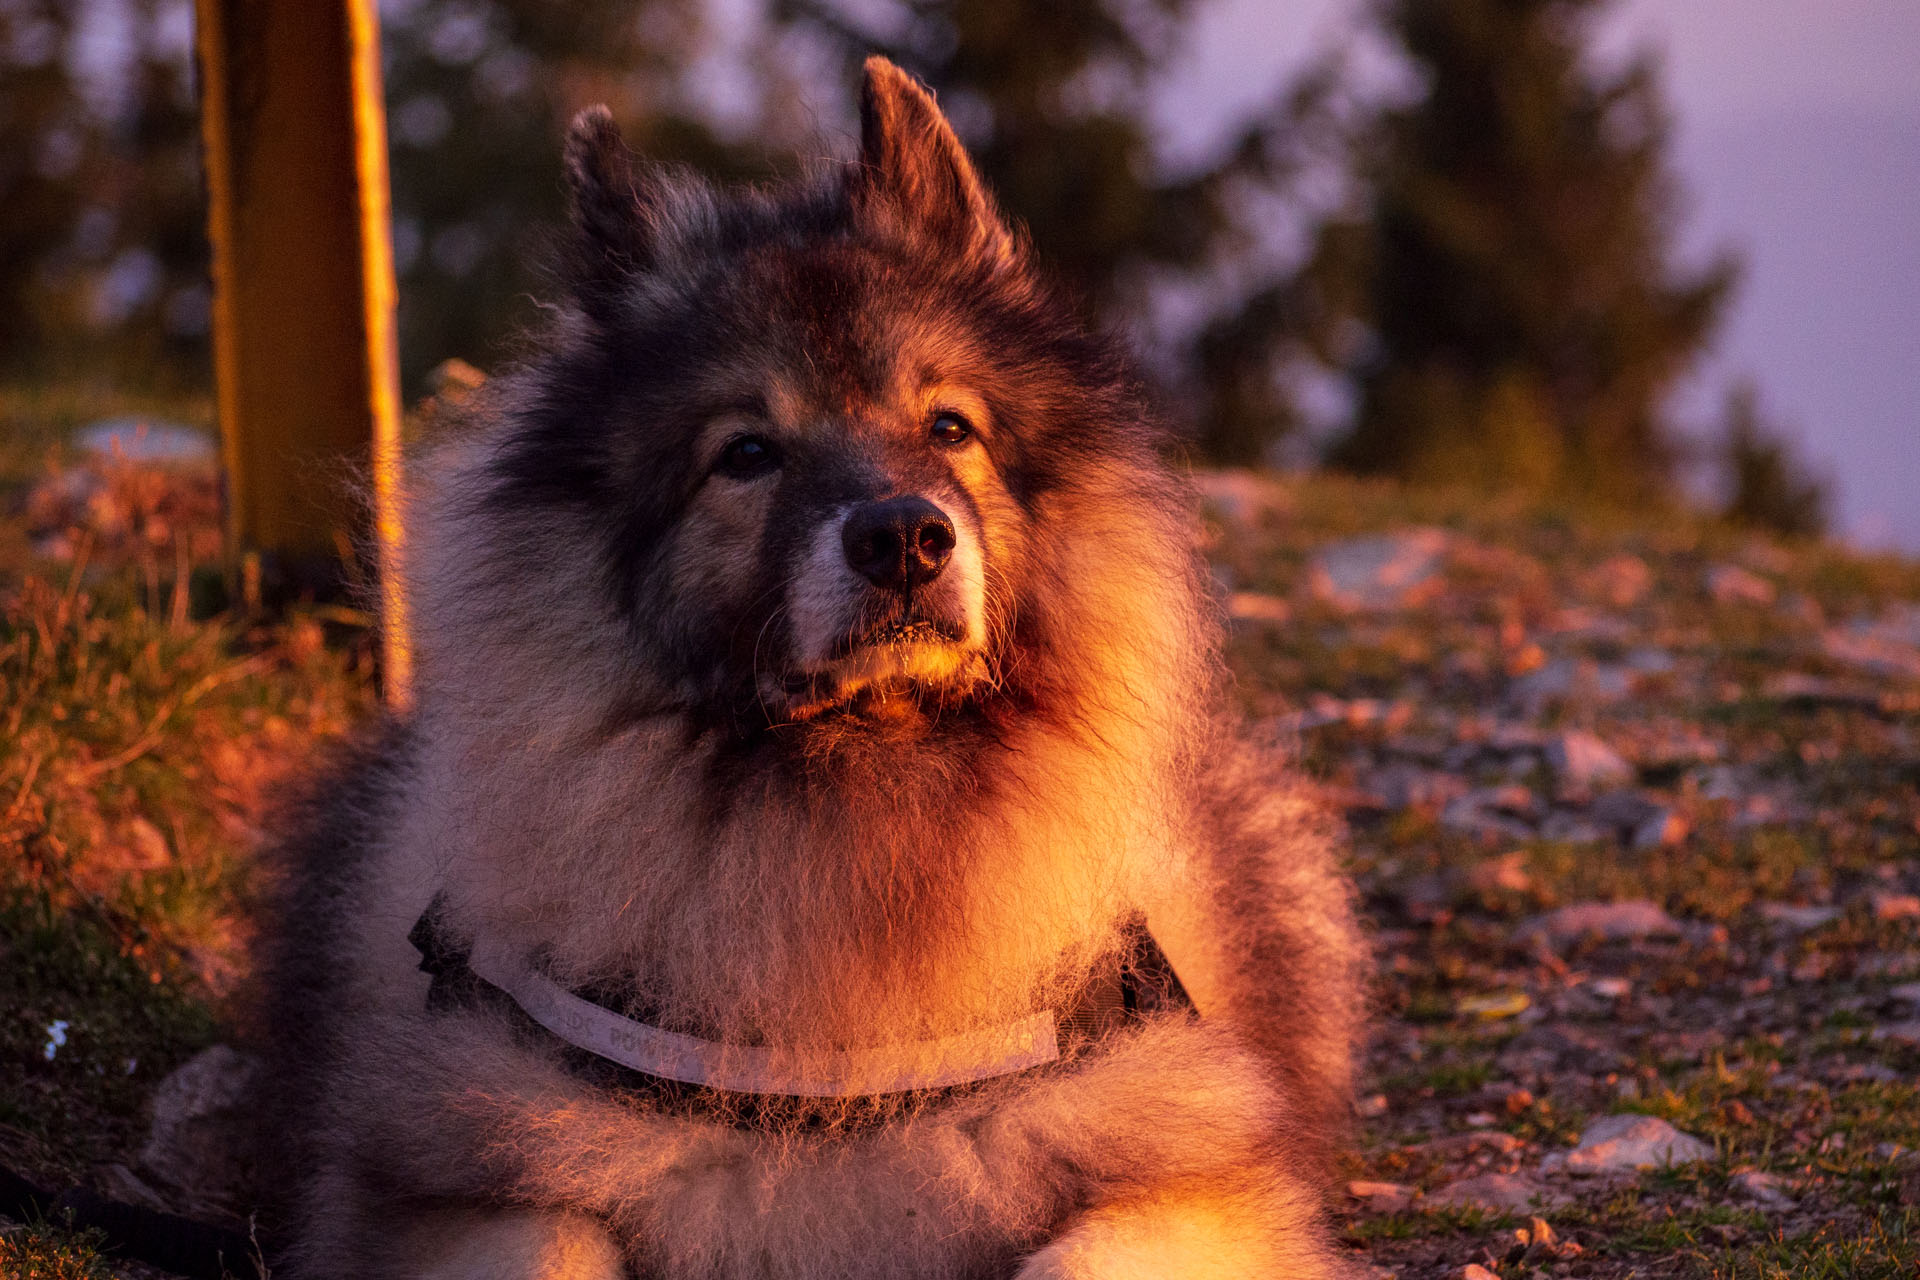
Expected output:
(1512, 260)
(1766, 486)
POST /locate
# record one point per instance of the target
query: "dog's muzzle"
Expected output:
(886, 592)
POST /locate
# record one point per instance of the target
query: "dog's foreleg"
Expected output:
(519, 1244)
(1196, 1233)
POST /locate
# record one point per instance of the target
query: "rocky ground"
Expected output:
(1635, 829)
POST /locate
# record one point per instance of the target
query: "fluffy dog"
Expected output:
(818, 686)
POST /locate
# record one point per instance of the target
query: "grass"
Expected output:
(135, 757)
(89, 1029)
(1741, 1033)
(140, 736)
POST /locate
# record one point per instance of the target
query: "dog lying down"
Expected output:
(820, 847)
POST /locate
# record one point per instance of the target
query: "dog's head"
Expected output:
(835, 450)
(810, 624)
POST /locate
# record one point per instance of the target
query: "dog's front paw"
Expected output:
(518, 1245)
(1201, 1235)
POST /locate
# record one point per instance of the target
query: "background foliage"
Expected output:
(1494, 294)
(1515, 276)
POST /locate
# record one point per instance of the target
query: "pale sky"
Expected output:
(1798, 143)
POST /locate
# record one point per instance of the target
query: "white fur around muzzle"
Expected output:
(825, 595)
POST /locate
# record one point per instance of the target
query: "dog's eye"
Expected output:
(950, 428)
(748, 456)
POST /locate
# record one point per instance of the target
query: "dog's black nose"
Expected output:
(898, 544)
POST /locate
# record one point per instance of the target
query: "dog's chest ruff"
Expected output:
(653, 1059)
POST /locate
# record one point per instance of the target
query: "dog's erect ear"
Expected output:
(912, 167)
(609, 212)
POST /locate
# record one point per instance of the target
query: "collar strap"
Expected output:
(492, 971)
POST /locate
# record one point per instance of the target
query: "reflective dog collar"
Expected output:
(938, 1064)
(490, 972)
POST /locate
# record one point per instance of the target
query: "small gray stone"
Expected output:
(1623, 811)
(1239, 497)
(146, 440)
(1385, 571)
(1864, 1073)
(1637, 820)
(1767, 1190)
(1462, 1146)
(1730, 584)
(197, 1142)
(1888, 646)
(1621, 1144)
(1490, 813)
(1408, 786)
(1798, 919)
(1819, 691)
(1570, 828)
(1648, 661)
(1906, 1034)
(1572, 680)
(1257, 608)
(1659, 829)
(1726, 782)
(1493, 1193)
(1515, 738)
(1381, 1197)
(1582, 763)
(1612, 921)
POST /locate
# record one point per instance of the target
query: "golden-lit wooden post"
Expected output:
(305, 356)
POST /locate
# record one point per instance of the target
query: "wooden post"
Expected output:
(305, 355)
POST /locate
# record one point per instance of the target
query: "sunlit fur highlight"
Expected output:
(579, 778)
